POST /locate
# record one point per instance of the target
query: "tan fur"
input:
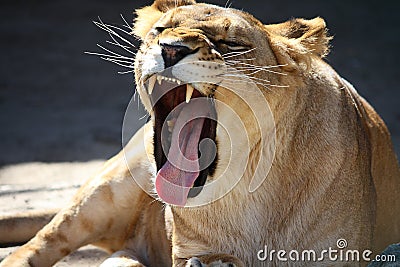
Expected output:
(334, 174)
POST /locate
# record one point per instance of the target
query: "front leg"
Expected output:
(214, 260)
(101, 212)
(107, 211)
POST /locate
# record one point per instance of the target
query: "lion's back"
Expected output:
(386, 178)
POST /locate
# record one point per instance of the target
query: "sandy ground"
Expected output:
(84, 257)
(38, 194)
(62, 111)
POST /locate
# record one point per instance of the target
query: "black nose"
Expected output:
(173, 53)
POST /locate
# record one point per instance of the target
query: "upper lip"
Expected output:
(158, 78)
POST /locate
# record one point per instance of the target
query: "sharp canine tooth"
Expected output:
(189, 92)
(152, 82)
(159, 79)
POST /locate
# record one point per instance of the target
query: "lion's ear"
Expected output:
(311, 34)
(293, 41)
(165, 5)
(147, 16)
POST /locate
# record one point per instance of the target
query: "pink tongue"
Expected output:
(178, 174)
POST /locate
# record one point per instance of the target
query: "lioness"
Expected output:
(298, 163)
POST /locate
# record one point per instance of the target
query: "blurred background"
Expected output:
(59, 105)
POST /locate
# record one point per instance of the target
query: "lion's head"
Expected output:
(210, 78)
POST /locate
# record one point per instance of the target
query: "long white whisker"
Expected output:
(109, 56)
(126, 72)
(111, 32)
(267, 69)
(126, 23)
(121, 46)
(118, 63)
(110, 27)
(242, 71)
(233, 83)
(235, 79)
(238, 68)
(236, 62)
(109, 51)
(255, 72)
(118, 44)
(238, 52)
(257, 79)
(235, 54)
(144, 117)
(279, 86)
(246, 76)
(240, 77)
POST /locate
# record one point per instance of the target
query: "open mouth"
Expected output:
(184, 138)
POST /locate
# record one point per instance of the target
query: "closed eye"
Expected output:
(160, 29)
(234, 46)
